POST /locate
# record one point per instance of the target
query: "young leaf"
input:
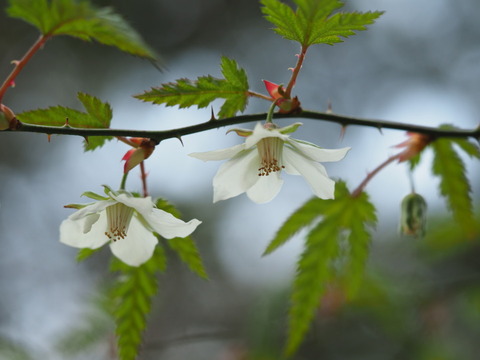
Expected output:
(132, 299)
(454, 184)
(81, 20)
(201, 92)
(336, 246)
(184, 247)
(98, 116)
(313, 22)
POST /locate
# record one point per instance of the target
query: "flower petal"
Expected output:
(72, 232)
(221, 154)
(260, 133)
(141, 205)
(236, 175)
(168, 226)
(266, 188)
(137, 247)
(313, 172)
(317, 153)
(96, 207)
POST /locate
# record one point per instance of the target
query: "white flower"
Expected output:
(254, 167)
(124, 221)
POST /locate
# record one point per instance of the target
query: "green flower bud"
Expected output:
(413, 218)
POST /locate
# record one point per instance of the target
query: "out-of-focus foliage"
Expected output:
(81, 20)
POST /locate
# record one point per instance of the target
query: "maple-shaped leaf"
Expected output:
(336, 249)
(313, 21)
(98, 116)
(454, 184)
(205, 89)
(82, 20)
(131, 300)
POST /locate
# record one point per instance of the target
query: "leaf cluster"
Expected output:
(336, 251)
(201, 92)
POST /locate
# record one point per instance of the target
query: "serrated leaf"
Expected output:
(336, 247)
(313, 21)
(81, 20)
(131, 300)
(454, 184)
(201, 92)
(184, 247)
(98, 116)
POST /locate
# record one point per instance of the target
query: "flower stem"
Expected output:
(296, 70)
(21, 63)
(144, 179)
(124, 181)
(269, 119)
(370, 175)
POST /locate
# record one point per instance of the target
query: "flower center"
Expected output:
(270, 150)
(118, 220)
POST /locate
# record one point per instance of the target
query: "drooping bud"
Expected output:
(285, 103)
(413, 216)
(135, 156)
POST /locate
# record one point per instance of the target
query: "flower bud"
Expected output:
(413, 217)
(6, 116)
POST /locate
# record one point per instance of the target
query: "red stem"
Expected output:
(21, 63)
(296, 70)
(370, 175)
(144, 179)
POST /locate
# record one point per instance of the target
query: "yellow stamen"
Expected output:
(270, 150)
(118, 220)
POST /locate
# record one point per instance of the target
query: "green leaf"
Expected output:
(336, 249)
(454, 184)
(132, 299)
(98, 116)
(201, 92)
(81, 20)
(313, 22)
(85, 253)
(184, 247)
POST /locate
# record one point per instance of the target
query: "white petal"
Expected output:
(96, 207)
(236, 175)
(266, 188)
(89, 221)
(260, 133)
(313, 172)
(141, 205)
(317, 153)
(221, 154)
(72, 232)
(137, 247)
(168, 226)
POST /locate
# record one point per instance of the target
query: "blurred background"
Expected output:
(421, 299)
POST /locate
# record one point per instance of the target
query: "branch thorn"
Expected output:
(212, 116)
(180, 139)
(86, 139)
(343, 131)
(49, 137)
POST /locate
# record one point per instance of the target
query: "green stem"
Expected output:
(124, 181)
(158, 136)
(270, 113)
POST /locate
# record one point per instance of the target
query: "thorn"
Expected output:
(297, 55)
(49, 137)
(180, 139)
(86, 139)
(212, 117)
(67, 124)
(291, 69)
(329, 107)
(14, 62)
(343, 131)
(380, 130)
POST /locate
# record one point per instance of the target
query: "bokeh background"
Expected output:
(420, 63)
